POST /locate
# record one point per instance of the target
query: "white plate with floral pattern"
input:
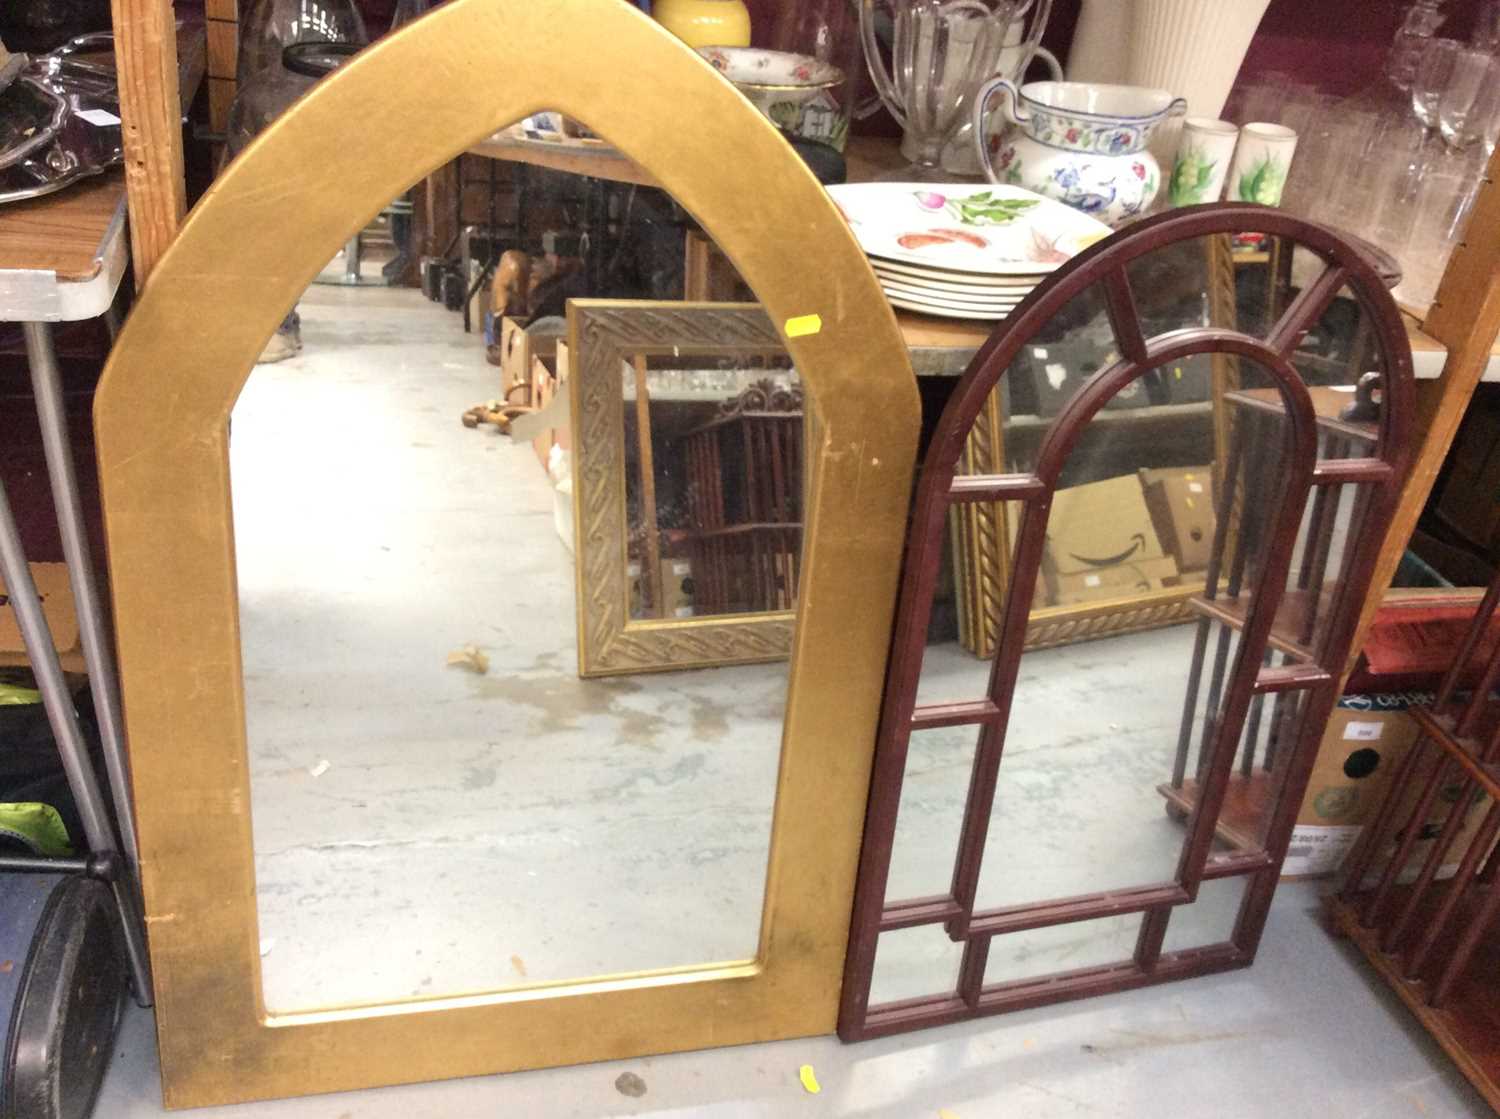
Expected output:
(968, 281)
(986, 229)
(945, 310)
(959, 302)
(944, 286)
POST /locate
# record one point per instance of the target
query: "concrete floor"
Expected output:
(1307, 1031)
(455, 832)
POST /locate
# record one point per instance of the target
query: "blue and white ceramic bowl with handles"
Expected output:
(1082, 143)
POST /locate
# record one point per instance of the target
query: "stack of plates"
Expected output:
(961, 250)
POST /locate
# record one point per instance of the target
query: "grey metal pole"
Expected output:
(62, 716)
(93, 629)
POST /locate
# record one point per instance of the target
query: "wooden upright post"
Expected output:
(1465, 318)
(151, 115)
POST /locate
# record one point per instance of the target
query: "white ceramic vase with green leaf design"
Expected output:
(1261, 163)
(1204, 154)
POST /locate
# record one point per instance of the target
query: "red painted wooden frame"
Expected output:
(1377, 478)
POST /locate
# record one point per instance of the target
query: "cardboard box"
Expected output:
(514, 358)
(1120, 581)
(562, 430)
(544, 387)
(1363, 745)
(1181, 505)
(56, 593)
(1099, 525)
(516, 350)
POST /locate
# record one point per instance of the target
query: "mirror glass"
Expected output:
(442, 805)
(713, 484)
(1120, 691)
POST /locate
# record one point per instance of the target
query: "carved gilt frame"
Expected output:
(982, 536)
(248, 250)
(604, 336)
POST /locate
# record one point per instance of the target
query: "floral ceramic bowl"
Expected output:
(1082, 143)
(769, 76)
(793, 90)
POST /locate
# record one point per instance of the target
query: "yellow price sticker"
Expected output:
(804, 325)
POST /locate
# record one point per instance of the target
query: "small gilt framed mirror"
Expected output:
(688, 485)
(193, 616)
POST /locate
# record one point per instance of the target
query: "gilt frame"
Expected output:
(604, 335)
(248, 250)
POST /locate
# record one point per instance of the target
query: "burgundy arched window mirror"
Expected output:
(1117, 813)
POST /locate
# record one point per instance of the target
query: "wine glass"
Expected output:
(1433, 75)
(1469, 99)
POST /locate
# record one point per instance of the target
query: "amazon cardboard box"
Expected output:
(1366, 738)
(1122, 580)
(1181, 504)
(1099, 525)
(56, 593)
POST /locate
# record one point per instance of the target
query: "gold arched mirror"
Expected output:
(191, 631)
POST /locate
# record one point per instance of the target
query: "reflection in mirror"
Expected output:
(1162, 521)
(1020, 956)
(713, 485)
(440, 804)
(692, 557)
(1209, 920)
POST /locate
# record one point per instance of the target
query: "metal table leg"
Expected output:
(62, 716)
(93, 630)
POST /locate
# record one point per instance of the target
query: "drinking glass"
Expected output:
(1486, 33)
(1455, 119)
(1449, 179)
(1473, 77)
(1417, 28)
(1489, 116)
(940, 51)
(1398, 184)
(1434, 74)
(1342, 199)
(827, 30)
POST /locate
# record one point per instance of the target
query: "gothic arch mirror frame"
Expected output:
(1377, 476)
(250, 247)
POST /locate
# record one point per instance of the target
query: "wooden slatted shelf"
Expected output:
(1247, 800)
(1327, 405)
(1291, 616)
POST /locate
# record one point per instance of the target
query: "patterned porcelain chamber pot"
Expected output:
(1082, 143)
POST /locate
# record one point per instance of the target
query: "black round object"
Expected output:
(62, 983)
(316, 60)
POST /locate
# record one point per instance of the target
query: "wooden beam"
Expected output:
(1465, 317)
(151, 115)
